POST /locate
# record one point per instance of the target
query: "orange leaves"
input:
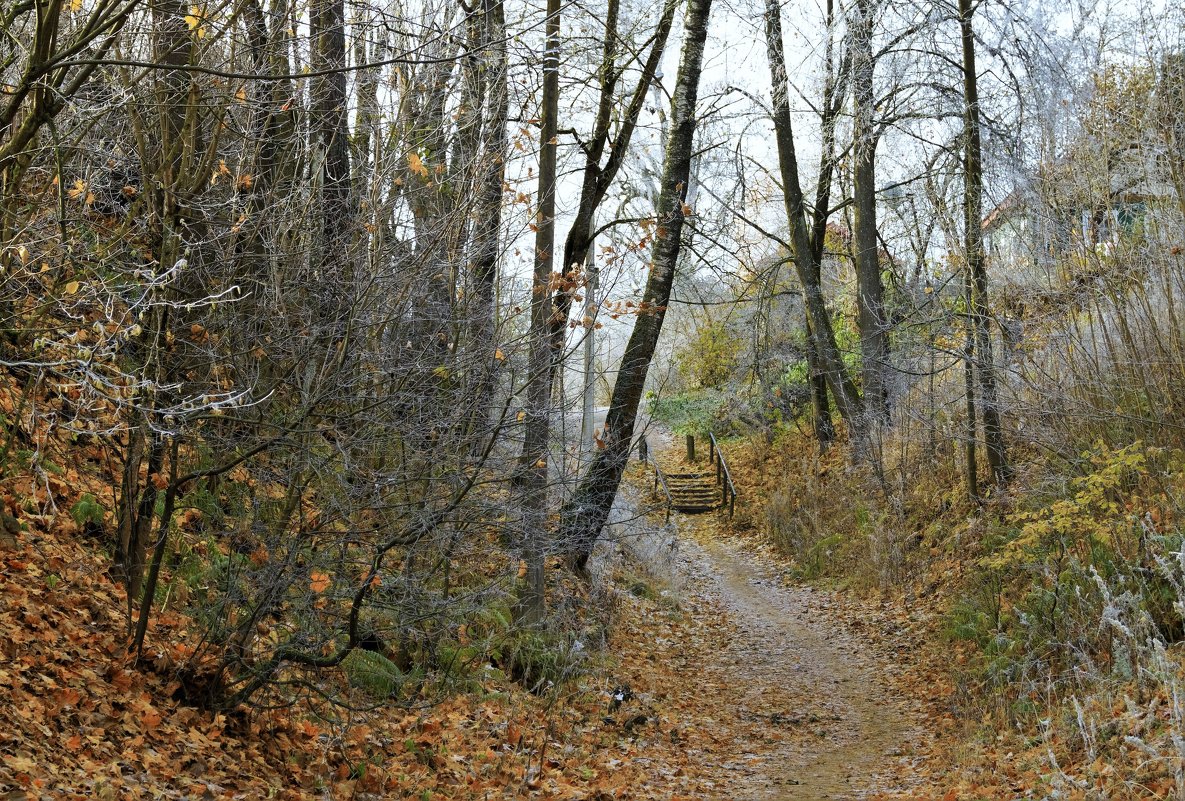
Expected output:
(199, 334)
(81, 192)
(415, 165)
(150, 718)
(319, 581)
(259, 556)
(68, 696)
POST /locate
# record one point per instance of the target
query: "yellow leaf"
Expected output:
(416, 165)
(522, 415)
(241, 95)
(76, 5)
(499, 355)
(196, 19)
(71, 287)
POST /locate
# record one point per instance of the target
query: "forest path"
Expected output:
(796, 701)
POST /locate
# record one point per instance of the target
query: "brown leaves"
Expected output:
(319, 581)
(81, 192)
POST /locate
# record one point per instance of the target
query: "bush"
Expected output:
(542, 661)
(373, 673)
(87, 512)
(1054, 568)
(709, 358)
(694, 412)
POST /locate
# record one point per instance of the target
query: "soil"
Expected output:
(800, 668)
(803, 705)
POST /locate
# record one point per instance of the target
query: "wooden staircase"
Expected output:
(693, 492)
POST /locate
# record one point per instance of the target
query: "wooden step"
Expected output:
(694, 508)
(694, 496)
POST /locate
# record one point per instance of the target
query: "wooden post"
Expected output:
(711, 449)
(691, 447)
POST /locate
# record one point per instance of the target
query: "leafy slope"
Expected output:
(77, 720)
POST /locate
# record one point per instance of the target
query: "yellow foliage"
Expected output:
(1093, 509)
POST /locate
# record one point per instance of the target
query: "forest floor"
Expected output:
(784, 691)
(743, 685)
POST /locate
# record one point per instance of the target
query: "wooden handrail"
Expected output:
(645, 454)
(728, 489)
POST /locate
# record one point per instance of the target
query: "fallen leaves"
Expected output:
(319, 581)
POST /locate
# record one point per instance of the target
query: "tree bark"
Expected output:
(993, 431)
(830, 360)
(583, 517)
(870, 290)
(487, 227)
(538, 421)
(330, 129)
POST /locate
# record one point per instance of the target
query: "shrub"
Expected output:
(373, 673)
(87, 512)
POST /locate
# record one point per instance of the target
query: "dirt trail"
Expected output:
(802, 671)
(813, 718)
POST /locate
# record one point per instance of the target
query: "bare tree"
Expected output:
(583, 517)
(870, 303)
(822, 333)
(977, 269)
(538, 424)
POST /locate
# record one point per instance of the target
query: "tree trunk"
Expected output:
(584, 515)
(993, 431)
(331, 267)
(487, 227)
(834, 90)
(870, 291)
(598, 178)
(538, 420)
(823, 334)
(589, 400)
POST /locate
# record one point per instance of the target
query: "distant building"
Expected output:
(1074, 208)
